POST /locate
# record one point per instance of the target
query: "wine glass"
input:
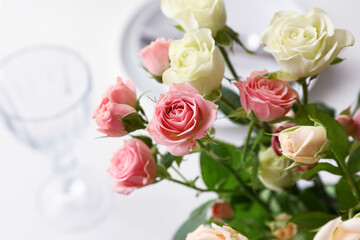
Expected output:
(44, 101)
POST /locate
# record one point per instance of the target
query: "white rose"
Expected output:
(195, 59)
(215, 233)
(303, 144)
(304, 44)
(339, 230)
(196, 14)
(271, 170)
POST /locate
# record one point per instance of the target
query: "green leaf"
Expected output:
(337, 137)
(313, 200)
(346, 111)
(325, 108)
(156, 77)
(132, 122)
(232, 98)
(250, 219)
(197, 217)
(235, 36)
(344, 195)
(354, 161)
(336, 61)
(168, 159)
(312, 220)
(162, 172)
(304, 235)
(147, 140)
(322, 167)
(180, 28)
(223, 39)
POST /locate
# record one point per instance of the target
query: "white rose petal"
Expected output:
(196, 14)
(304, 44)
(195, 59)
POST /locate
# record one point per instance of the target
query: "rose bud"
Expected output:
(347, 122)
(197, 60)
(268, 99)
(132, 166)
(283, 233)
(108, 117)
(339, 230)
(221, 211)
(357, 124)
(192, 16)
(271, 170)
(275, 143)
(181, 116)
(303, 144)
(215, 233)
(304, 44)
(123, 92)
(156, 56)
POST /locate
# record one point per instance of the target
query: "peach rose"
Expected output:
(132, 166)
(303, 144)
(156, 56)
(268, 99)
(181, 116)
(339, 230)
(215, 233)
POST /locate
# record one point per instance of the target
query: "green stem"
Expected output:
(179, 173)
(257, 140)
(351, 213)
(246, 190)
(246, 145)
(228, 63)
(305, 91)
(350, 178)
(320, 188)
(227, 102)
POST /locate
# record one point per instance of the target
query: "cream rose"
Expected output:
(215, 233)
(303, 144)
(339, 230)
(196, 14)
(271, 170)
(304, 44)
(195, 59)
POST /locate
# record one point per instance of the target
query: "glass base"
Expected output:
(73, 201)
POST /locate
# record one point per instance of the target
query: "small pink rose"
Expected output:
(347, 122)
(132, 167)
(156, 56)
(123, 92)
(357, 124)
(268, 99)
(221, 211)
(181, 116)
(108, 117)
(275, 143)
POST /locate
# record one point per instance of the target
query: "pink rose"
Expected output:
(132, 166)
(275, 143)
(268, 99)
(122, 92)
(156, 56)
(347, 122)
(357, 124)
(108, 117)
(222, 210)
(181, 116)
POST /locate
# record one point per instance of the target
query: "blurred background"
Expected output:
(100, 31)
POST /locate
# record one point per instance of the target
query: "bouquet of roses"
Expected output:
(256, 183)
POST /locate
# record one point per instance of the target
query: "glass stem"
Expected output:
(62, 164)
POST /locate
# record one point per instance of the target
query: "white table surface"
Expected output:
(94, 27)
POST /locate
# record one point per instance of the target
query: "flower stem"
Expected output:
(179, 173)
(305, 91)
(350, 178)
(246, 145)
(228, 63)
